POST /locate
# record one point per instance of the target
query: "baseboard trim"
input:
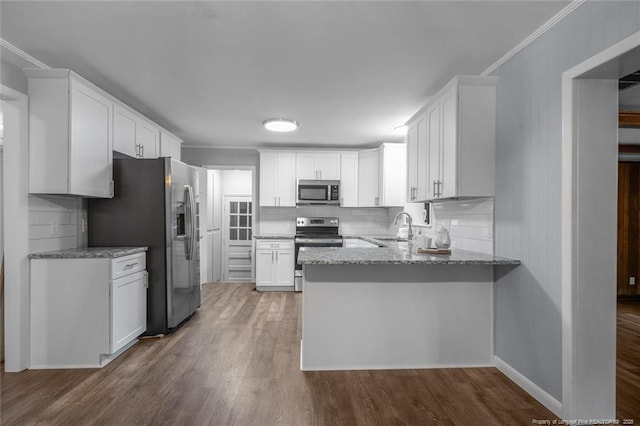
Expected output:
(528, 386)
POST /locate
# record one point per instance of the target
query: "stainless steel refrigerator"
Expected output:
(155, 204)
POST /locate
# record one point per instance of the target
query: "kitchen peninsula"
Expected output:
(391, 308)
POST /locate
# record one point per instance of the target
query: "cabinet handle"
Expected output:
(146, 280)
(377, 201)
(275, 201)
(277, 260)
(129, 265)
(272, 257)
(439, 188)
(141, 151)
(435, 193)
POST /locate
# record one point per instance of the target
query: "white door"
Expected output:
(238, 234)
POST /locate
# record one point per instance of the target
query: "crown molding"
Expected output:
(537, 33)
(23, 55)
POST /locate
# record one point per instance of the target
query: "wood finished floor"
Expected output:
(236, 362)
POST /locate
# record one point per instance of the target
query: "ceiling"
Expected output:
(211, 72)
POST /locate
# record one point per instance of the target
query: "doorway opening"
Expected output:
(231, 222)
(589, 229)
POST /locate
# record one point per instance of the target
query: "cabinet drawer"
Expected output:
(274, 244)
(122, 266)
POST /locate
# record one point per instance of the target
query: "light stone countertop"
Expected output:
(395, 253)
(88, 253)
(273, 237)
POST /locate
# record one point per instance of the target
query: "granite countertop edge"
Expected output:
(88, 253)
(392, 256)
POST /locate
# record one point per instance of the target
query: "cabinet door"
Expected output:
(449, 146)
(392, 174)
(284, 268)
(349, 180)
(368, 178)
(147, 137)
(432, 177)
(306, 166)
(169, 145)
(124, 131)
(265, 268)
(411, 140)
(286, 179)
(328, 165)
(91, 144)
(268, 179)
(128, 309)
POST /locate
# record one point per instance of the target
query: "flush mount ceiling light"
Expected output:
(280, 124)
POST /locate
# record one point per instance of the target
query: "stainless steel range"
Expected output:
(314, 232)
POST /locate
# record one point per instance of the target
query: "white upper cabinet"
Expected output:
(133, 134)
(70, 135)
(415, 140)
(318, 165)
(148, 138)
(381, 175)
(368, 169)
(170, 145)
(391, 174)
(349, 179)
(277, 179)
(453, 141)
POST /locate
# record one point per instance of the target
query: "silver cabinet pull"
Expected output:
(277, 260)
(272, 257)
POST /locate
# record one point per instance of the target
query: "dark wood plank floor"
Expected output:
(628, 360)
(237, 362)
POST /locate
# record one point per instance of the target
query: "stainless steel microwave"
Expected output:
(318, 192)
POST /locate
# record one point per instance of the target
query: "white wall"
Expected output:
(528, 327)
(237, 182)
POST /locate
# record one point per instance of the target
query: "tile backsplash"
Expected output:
(53, 222)
(470, 222)
(353, 221)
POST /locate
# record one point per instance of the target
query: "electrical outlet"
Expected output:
(632, 280)
(55, 229)
(83, 225)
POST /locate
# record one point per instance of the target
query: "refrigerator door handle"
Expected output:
(188, 241)
(194, 237)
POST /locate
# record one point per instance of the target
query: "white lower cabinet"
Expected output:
(86, 311)
(274, 264)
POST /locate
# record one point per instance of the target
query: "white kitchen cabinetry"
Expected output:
(170, 145)
(318, 165)
(349, 179)
(455, 156)
(274, 264)
(368, 167)
(391, 174)
(381, 173)
(133, 134)
(86, 311)
(277, 179)
(417, 155)
(70, 135)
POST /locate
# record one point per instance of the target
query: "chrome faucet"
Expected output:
(395, 222)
